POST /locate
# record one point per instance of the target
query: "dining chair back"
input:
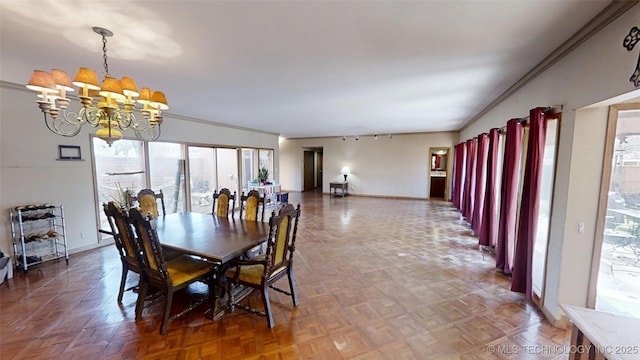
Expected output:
(126, 243)
(252, 205)
(221, 201)
(148, 201)
(262, 272)
(167, 275)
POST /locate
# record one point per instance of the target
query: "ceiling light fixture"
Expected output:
(52, 88)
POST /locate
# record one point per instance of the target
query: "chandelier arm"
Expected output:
(125, 120)
(90, 115)
(149, 133)
(141, 125)
(72, 118)
(56, 129)
(157, 133)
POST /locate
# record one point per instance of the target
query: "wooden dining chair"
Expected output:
(129, 251)
(147, 200)
(252, 205)
(169, 276)
(127, 245)
(261, 273)
(221, 201)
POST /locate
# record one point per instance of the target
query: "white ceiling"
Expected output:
(300, 68)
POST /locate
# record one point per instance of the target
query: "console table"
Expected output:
(603, 335)
(342, 185)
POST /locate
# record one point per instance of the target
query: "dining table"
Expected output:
(213, 238)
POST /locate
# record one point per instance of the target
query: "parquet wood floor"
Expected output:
(376, 279)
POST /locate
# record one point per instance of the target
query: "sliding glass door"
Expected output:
(539, 260)
(118, 168)
(187, 175)
(202, 175)
(227, 169)
(618, 287)
(211, 169)
(166, 173)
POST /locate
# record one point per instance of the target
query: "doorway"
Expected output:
(438, 175)
(312, 168)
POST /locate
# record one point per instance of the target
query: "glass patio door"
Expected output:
(167, 173)
(539, 260)
(618, 287)
(211, 169)
(118, 168)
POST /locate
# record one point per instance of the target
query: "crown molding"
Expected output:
(597, 23)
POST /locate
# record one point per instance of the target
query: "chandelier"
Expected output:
(110, 106)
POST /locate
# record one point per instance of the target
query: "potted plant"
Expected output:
(263, 175)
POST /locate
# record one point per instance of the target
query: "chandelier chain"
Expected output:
(104, 55)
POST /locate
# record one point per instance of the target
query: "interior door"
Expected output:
(319, 173)
(308, 171)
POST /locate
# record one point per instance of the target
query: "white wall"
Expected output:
(597, 70)
(30, 173)
(396, 167)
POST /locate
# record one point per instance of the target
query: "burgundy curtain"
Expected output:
(458, 173)
(481, 174)
(509, 196)
(488, 228)
(469, 179)
(530, 203)
(467, 171)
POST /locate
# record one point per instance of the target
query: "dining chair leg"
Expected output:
(267, 306)
(211, 294)
(292, 286)
(231, 304)
(142, 294)
(167, 309)
(123, 281)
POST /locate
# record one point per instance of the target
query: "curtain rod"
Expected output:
(525, 120)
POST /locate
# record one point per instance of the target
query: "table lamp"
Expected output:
(345, 171)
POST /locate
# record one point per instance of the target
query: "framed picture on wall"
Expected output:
(69, 152)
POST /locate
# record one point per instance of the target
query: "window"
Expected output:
(118, 168)
(252, 161)
(249, 167)
(211, 169)
(266, 161)
(166, 173)
(227, 168)
(619, 220)
(544, 210)
(187, 175)
(202, 175)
